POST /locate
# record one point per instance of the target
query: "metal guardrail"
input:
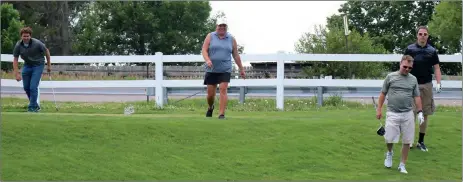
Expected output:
(280, 82)
(240, 92)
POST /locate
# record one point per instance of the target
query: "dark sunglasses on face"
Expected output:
(407, 67)
(422, 34)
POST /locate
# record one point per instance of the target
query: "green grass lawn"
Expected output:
(98, 142)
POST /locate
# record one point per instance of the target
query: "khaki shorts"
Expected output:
(427, 99)
(400, 123)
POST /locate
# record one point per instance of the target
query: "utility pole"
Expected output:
(346, 33)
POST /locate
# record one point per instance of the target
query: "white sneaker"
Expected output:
(402, 168)
(388, 160)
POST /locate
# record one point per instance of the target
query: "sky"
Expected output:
(266, 27)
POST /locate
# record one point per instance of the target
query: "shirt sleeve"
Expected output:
(42, 47)
(407, 51)
(16, 51)
(385, 88)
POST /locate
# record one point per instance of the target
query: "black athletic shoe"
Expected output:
(209, 111)
(422, 147)
(38, 109)
(222, 116)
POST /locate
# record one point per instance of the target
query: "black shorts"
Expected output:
(216, 78)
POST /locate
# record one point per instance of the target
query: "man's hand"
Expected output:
(18, 76)
(48, 69)
(209, 63)
(438, 88)
(379, 113)
(242, 74)
(420, 117)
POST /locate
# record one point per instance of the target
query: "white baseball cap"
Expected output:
(221, 21)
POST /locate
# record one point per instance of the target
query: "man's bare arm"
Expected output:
(236, 54)
(437, 73)
(47, 54)
(419, 107)
(15, 65)
(205, 48)
(381, 99)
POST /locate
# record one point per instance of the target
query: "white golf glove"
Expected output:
(420, 117)
(438, 88)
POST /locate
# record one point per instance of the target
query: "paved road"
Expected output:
(127, 98)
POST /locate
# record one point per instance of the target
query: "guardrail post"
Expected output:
(242, 94)
(280, 100)
(320, 96)
(159, 79)
(166, 94)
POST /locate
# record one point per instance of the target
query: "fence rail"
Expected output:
(279, 83)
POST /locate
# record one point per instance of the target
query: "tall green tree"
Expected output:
(11, 25)
(390, 23)
(332, 41)
(393, 24)
(143, 28)
(51, 21)
(446, 25)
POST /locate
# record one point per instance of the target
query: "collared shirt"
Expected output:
(424, 60)
(33, 53)
(220, 53)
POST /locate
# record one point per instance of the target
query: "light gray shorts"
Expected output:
(400, 123)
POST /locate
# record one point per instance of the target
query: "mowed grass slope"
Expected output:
(335, 142)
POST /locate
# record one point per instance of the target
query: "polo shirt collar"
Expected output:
(30, 42)
(418, 45)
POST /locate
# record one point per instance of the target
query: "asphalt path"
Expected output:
(139, 94)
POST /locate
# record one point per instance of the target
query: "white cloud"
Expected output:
(270, 26)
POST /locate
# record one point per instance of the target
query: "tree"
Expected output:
(446, 24)
(332, 41)
(393, 24)
(11, 25)
(51, 21)
(390, 23)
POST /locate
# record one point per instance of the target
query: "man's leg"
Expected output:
(428, 109)
(34, 85)
(391, 136)
(224, 79)
(408, 133)
(26, 74)
(211, 89)
(210, 79)
(223, 98)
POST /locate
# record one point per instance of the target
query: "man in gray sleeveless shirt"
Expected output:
(217, 50)
(402, 88)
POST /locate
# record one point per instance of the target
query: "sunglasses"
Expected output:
(422, 34)
(407, 67)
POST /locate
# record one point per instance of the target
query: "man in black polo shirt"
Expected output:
(426, 62)
(32, 51)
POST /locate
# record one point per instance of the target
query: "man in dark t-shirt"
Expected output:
(33, 52)
(426, 62)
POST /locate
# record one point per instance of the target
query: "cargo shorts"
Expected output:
(400, 123)
(427, 99)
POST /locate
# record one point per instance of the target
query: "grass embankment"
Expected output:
(97, 142)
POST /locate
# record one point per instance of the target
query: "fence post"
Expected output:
(159, 79)
(242, 94)
(320, 91)
(280, 100)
